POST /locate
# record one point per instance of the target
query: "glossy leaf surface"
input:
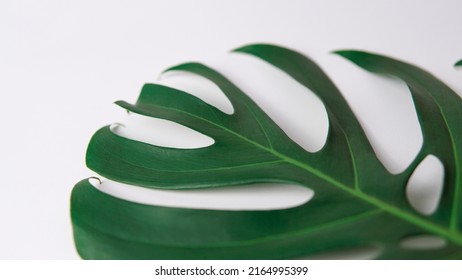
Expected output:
(357, 201)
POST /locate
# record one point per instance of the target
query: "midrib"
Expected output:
(409, 217)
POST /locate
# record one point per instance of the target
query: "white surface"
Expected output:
(62, 63)
(317, 269)
(425, 185)
(251, 197)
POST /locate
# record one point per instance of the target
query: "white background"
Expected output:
(63, 63)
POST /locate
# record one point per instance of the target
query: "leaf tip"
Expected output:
(256, 48)
(245, 49)
(362, 59)
(239, 49)
(187, 66)
(178, 67)
(169, 69)
(351, 55)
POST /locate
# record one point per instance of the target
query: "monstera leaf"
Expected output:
(357, 201)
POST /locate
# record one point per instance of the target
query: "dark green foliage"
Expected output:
(357, 201)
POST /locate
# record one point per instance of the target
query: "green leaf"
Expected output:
(459, 63)
(357, 201)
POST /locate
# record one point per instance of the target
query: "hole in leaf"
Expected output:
(161, 132)
(425, 185)
(357, 253)
(245, 197)
(386, 111)
(199, 87)
(423, 242)
(293, 107)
